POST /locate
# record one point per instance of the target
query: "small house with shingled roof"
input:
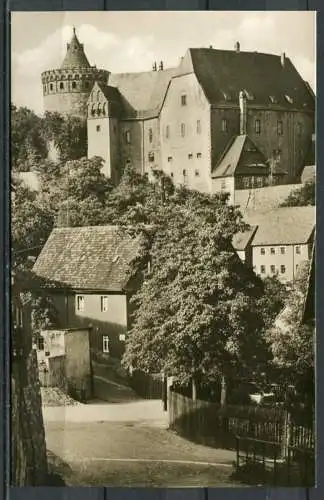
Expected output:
(92, 276)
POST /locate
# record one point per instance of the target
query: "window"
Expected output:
(105, 344)
(104, 303)
(223, 184)
(74, 85)
(151, 156)
(169, 159)
(171, 175)
(184, 173)
(61, 85)
(272, 251)
(198, 127)
(150, 135)
(197, 174)
(282, 250)
(279, 127)
(183, 100)
(127, 137)
(198, 155)
(51, 86)
(190, 156)
(282, 269)
(262, 269)
(167, 131)
(98, 128)
(298, 250)
(183, 130)
(257, 126)
(224, 125)
(262, 251)
(299, 128)
(273, 269)
(80, 303)
(40, 343)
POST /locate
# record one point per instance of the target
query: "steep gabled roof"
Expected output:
(241, 157)
(75, 56)
(283, 226)
(142, 94)
(90, 258)
(242, 239)
(224, 73)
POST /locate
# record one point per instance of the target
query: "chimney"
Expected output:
(243, 113)
(237, 47)
(161, 66)
(154, 68)
(211, 47)
(283, 59)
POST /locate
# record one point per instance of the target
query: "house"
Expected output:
(283, 240)
(242, 243)
(181, 120)
(95, 279)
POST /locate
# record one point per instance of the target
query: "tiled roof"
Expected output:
(226, 72)
(242, 239)
(75, 56)
(283, 226)
(241, 157)
(142, 94)
(92, 258)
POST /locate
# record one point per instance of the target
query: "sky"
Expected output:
(132, 41)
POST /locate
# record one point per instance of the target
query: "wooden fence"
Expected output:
(210, 424)
(148, 386)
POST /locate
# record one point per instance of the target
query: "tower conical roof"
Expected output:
(75, 56)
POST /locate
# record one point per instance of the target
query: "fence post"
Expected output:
(286, 434)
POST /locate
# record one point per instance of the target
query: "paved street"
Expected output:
(129, 445)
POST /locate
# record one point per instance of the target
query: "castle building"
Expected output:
(220, 120)
(66, 89)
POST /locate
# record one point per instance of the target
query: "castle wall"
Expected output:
(131, 137)
(225, 124)
(293, 143)
(151, 145)
(185, 134)
(67, 103)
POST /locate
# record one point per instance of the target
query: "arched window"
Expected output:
(127, 137)
(104, 109)
(74, 85)
(98, 95)
(93, 111)
(51, 86)
(61, 85)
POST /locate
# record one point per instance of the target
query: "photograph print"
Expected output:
(163, 249)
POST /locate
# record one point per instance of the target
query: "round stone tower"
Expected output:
(66, 90)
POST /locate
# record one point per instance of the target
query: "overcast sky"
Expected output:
(131, 41)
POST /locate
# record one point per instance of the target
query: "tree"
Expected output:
(293, 343)
(302, 196)
(68, 133)
(196, 315)
(28, 144)
(31, 224)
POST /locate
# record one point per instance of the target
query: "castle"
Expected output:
(222, 120)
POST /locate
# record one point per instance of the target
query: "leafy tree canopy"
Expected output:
(197, 313)
(302, 196)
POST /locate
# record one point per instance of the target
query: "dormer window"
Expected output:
(273, 99)
(184, 100)
(289, 99)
